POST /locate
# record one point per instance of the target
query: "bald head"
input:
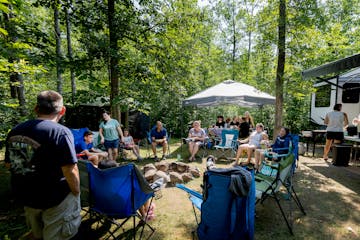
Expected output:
(158, 125)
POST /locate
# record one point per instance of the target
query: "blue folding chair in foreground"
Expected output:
(227, 204)
(118, 193)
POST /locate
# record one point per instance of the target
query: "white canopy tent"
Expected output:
(230, 92)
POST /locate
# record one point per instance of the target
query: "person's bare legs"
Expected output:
(136, 150)
(110, 154)
(144, 209)
(164, 148)
(249, 150)
(102, 155)
(195, 149)
(94, 159)
(153, 147)
(239, 153)
(115, 153)
(259, 157)
(191, 147)
(327, 148)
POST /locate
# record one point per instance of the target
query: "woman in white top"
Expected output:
(251, 143)
(335, 121)
(195, 138)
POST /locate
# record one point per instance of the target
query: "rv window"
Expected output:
(351, 93)
(322, 96)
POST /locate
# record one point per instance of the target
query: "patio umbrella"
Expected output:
(230, 92)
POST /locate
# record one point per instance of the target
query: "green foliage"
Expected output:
(169, 50)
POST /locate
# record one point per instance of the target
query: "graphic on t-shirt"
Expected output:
(22, 149)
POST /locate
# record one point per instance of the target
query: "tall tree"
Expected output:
(56, 7)
(70, 50)
(279, 82)
(113, 68)
(17, 89)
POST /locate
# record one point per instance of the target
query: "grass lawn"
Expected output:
(329, 194)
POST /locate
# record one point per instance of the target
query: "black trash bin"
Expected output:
(341, 154)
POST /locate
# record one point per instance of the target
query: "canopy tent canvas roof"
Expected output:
(230, 92)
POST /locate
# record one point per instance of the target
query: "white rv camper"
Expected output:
(344, 89)
(337, 82)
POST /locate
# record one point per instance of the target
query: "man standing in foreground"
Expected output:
(44, 173)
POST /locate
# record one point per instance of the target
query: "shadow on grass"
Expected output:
(329, 211)
(341, 175)
(93, 229)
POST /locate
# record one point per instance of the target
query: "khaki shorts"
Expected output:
(57, 223)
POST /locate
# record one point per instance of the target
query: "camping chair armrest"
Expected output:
(267, 154)
(189, 191)
(270, 164)
(260, 179)
(217, 140)
(279, 149)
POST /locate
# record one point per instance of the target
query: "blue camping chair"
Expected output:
(224, 215)
(272, 175)
(228, 142)
(78, 134)
(118, 193)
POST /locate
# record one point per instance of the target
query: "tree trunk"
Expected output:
(279, 82)
(113, 68)
(58, 47)
(70, 53)
(16, 80)
(249, 48)
(234, 41)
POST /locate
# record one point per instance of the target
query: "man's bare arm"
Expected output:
(346, 120)
(71, 173)
(326, 120)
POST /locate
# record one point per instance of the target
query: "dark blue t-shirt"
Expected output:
(36, 150)
(282, 144)
(158, 135)
(82, 146)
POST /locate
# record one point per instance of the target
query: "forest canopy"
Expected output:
(150, 55)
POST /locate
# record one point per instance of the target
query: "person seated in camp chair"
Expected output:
(195, 139)
(251, 143)
(220, 123)
(86, 150)
(158, 137)
(129, 144)
(280, 146)
(244, 128)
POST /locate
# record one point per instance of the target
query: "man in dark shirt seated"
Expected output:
(158, 137)
(86, 150)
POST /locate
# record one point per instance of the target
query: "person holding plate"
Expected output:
(195, 139)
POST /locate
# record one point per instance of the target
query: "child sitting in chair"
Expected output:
(129, 144)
